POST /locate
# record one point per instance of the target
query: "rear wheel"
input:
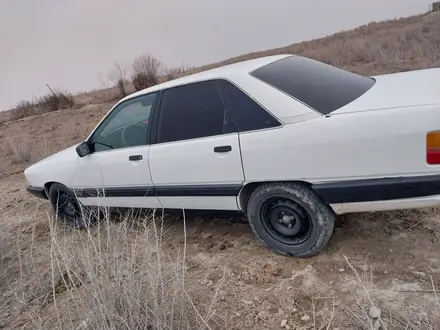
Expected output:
(67, 206)
(290, 218)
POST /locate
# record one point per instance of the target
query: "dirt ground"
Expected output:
(389, 261)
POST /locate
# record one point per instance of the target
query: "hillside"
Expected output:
(380, 270)
(377, 48)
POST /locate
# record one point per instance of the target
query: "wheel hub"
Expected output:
(286, 220)
(67, 206)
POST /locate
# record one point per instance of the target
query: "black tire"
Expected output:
(66, 206)
(290, 218)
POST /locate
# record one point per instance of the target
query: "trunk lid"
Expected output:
(405, 89)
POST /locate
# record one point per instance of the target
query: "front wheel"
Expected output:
(290, 218)
(66, 206)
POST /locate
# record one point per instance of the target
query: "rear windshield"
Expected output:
(320, 86)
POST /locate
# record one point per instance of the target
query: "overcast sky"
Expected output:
(68, 43)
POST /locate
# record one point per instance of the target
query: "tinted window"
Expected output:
(246, 114)
(126, 126)
(320, 86)
(192, 111)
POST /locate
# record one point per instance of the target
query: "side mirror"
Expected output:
(83, 149)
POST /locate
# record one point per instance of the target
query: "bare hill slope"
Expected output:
(377, 48)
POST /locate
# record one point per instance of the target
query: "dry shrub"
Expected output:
(106, 93)
(175, 73)
(22, 110)
(147, 71)
(56, 101)
(120, 85)
(144, 80)
(20, 151)
(118, 76)
(112, 276)
(5, 116)
(47, 103)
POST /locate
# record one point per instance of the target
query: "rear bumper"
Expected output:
(37, 191)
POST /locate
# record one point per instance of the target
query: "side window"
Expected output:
(246, 114)
(126, 126)
(192, 111)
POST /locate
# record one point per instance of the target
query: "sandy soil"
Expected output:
(389, 260)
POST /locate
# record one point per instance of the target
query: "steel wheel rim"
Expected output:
(68, 207)
(286, 221)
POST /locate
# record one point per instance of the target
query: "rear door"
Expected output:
(196, 160)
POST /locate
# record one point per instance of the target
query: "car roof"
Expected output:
(226, 71)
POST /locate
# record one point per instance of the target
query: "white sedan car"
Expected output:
(286, 140)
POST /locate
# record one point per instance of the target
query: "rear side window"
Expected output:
(320, 86)
(246, 114)
(192, 111)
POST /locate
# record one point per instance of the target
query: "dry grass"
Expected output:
(103, 95)
(174, 73)
(112, 276)
(367, 309)
(377, 48)
(20, 151)
(124, 275)
(369, 313)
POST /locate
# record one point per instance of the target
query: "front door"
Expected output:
(196, 160)
(120, 157)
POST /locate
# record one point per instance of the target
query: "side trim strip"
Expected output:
(378, 189)
(169, 191)
(353, 191)
(116, 192)
(212, 190)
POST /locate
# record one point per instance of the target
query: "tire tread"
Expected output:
(325, 215)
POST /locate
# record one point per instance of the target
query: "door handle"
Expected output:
(135, 158)
(222, 149)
